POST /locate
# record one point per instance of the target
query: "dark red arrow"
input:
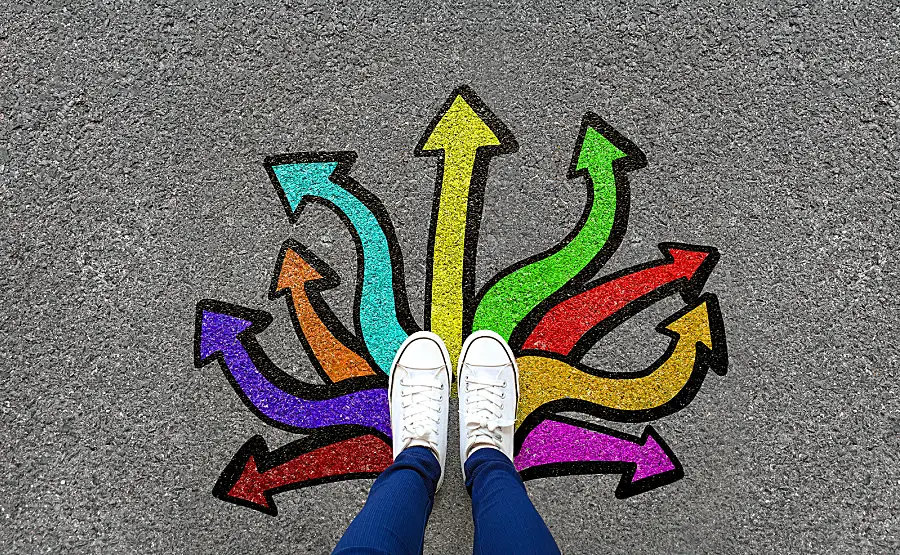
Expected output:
(600, 305)
(256, 474)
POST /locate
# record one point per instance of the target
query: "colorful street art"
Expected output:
(549, 306)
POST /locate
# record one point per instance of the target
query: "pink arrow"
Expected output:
(573, 447)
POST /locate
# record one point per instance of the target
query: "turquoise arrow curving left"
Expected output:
(323, 177)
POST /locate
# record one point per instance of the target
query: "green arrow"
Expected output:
(603, 156)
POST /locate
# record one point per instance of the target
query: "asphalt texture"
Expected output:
(132, 136)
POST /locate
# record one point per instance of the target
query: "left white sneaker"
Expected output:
(419, 394)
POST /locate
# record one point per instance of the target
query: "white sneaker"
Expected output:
(488, 395)
(419, 394)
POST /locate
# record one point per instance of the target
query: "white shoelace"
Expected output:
(421, 401)
(484, 412)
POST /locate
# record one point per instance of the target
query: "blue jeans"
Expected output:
(392, 522)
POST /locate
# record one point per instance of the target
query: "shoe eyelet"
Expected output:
(503, 395)
(504, 383)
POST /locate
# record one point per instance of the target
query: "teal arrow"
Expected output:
(603, 156)
(380, 289)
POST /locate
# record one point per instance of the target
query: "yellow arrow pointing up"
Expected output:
(544, 380)
(459, 132)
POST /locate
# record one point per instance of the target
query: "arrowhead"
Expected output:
(301, 179)
(219, 325)
(462, 127)
(251, 488)
(654, 460)
(219, 332)
(297, 266)
(686, 262)
(693, 324)
(596, 151)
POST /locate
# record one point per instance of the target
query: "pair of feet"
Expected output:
(488, 389)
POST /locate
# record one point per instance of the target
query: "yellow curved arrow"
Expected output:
(459, 132)
(543, 380)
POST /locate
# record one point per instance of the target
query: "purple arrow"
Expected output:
(574, 447)
(227, 332)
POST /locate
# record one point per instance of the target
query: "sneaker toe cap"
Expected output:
(423, 352)
(487, 351)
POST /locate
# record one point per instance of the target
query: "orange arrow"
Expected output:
(301, 276)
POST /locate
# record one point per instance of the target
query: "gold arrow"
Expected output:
(544, 380)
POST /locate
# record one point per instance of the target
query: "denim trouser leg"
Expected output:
(392, 522)
(506, 522)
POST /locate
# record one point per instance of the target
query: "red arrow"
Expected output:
(603, 304)
(255, 474)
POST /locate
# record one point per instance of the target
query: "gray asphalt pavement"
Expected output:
(132, 136)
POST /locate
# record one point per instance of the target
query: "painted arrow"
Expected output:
(227, 333)
(562, 446)
(255, 474)
(465, 134)
(382, 312)
(605, 303)
(300, 276)
(603, 157)
(670, 383)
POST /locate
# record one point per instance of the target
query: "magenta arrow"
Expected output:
(561, 446)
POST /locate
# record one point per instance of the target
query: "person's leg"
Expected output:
(506, 521)
(392, 522)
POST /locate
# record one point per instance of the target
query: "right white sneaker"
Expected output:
(419, 394)
(488, 395)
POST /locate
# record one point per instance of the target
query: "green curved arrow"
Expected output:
(525, 285)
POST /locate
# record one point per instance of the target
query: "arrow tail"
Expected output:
(337, 361)
(448, 255)
(362, 408)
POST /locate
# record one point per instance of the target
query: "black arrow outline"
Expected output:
(260, 320)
